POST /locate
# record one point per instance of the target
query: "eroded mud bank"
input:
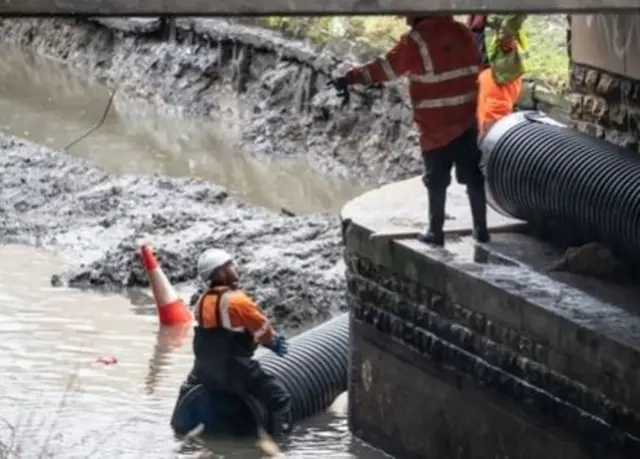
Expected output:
(292, 264)
(273, 90)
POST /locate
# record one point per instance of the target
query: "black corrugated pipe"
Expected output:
(314, 371)
(563, 181)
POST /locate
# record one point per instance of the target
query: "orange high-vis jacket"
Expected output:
(440, 58)
(495, 101)
(237, 313)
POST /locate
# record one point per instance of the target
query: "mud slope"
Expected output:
(272, 89)
(291, 264)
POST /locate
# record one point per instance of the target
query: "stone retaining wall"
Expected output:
(448, 363)
(605, 105)
(605, 76)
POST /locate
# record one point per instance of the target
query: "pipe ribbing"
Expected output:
(547, 174)
(314, 371)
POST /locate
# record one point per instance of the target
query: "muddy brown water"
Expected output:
(41, 100)
(56, 400)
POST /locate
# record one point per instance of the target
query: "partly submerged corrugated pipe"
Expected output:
(561, 180)
(314, 371)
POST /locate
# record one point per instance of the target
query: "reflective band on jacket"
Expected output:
(446, 101)
(223, 304)
(387, 69)
(444, 76)
(429, 76)
(427, 63)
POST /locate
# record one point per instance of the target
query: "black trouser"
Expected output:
(463, 153)
(246, 377)
(273, 395)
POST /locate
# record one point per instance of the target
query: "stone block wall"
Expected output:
(447, 364)
(605, 105)
(605, 77)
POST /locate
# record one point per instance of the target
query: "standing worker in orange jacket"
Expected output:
(229, 328)
(500, 85)
(440, 58)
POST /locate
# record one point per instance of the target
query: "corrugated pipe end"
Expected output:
(492, 139)
(570, 187)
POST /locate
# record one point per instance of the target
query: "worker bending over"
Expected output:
(500, 86)
(439, 57)
(229, 328)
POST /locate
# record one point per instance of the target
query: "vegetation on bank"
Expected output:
(368, 36)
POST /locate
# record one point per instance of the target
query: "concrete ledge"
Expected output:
(399, 210)
(544, 351)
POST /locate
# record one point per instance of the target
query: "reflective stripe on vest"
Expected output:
(386, 67)
(223, 306)
(429, 76)
(222, 310)
(446, 101)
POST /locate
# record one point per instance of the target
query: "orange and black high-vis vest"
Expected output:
(229, 323)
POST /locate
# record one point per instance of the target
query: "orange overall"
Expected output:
(495, 101)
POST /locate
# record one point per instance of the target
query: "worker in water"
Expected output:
(500, 86)
(440, 59)
(229, 328)
(477, 24)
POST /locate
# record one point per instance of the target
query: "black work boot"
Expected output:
(478, 204)
(435, 234)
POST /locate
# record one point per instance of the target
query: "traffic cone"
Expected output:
(171, 309)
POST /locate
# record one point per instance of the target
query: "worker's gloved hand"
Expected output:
(341, 85)
(342, 88)
(279, 345)
(507, 44)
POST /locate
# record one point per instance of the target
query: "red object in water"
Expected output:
(107, 360)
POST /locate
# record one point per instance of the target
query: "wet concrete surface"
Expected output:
(62, 403)
(402, 207)
(540, 255)
(42, 101)
(515, 263)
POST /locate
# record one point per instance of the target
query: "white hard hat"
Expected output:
(210, 260)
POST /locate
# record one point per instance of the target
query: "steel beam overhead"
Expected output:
(300, 7)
